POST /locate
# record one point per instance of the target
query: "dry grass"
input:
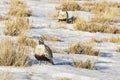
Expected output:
(108, 16)
(95, 40)
(4, 18)
(65, 78)
(62, 25)
(115, 39)
(69, 6)
(24, 40)
(51, 38)
(88, 64)
(109, 4)
(118, 49)
(18, 8)
(101, 19)
(14, 58)
(99, 41)
(17, 3)
(88, 3)
(19, 11)
(15, 26)
(99, 8)
(82, 48)
(114, 4)
(102, 6)
(81, 24)
(5, 75)
(53, 15)
(105, 28)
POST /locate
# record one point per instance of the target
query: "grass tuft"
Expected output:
(24, 40)
(115, 39)
(14, 58)
(118, 49)
(5, 75)
(88, 64)
(65, 78)
(81, 48)
(81, 24)
(69, 6)
(19, 12)
(17, 3)
(4, 18)
(18, 8)
(51, 38)
(15, 26)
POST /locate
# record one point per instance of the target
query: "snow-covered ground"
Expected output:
(107, 67)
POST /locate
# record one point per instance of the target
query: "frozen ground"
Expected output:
(107, 66)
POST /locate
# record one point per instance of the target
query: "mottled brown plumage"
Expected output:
(43, 52)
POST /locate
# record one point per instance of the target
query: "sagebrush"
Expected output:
(15, 57)
(15, 26)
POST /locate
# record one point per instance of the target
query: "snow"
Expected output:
(107, 67)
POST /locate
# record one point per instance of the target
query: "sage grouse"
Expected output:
(63, 14)
(43, 52)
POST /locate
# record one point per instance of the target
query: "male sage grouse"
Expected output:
(43, 52)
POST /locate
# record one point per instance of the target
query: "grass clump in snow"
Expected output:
(53, 15)
(115, 39)
(65, 78)
(24, 40)
(99, 41)
(106, 17)
(17, 3)
(5, 76)
(19, 11)
(118, 49)
(81, 24)
(15, 26)
(18, 8)
(9, 56)
(51, 38)
(103, 6)
(4, 18)
(82, 48)
(69, 6)
(88, 3)
(100, 19)
(88, 64)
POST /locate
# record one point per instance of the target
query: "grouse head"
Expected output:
(41, 41)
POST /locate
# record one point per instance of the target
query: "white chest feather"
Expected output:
(40, 50)
(62, 12)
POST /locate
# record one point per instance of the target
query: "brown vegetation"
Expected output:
(15, 26)
(118, 49)
(81, 24)
(69, 6)
(24, 40)
(51, 38)
(82, 48)
(65, 78)
(18, 8)
(88, 64)
(14, 58)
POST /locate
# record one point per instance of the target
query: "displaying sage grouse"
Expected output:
(62, 15)
(43, 52)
